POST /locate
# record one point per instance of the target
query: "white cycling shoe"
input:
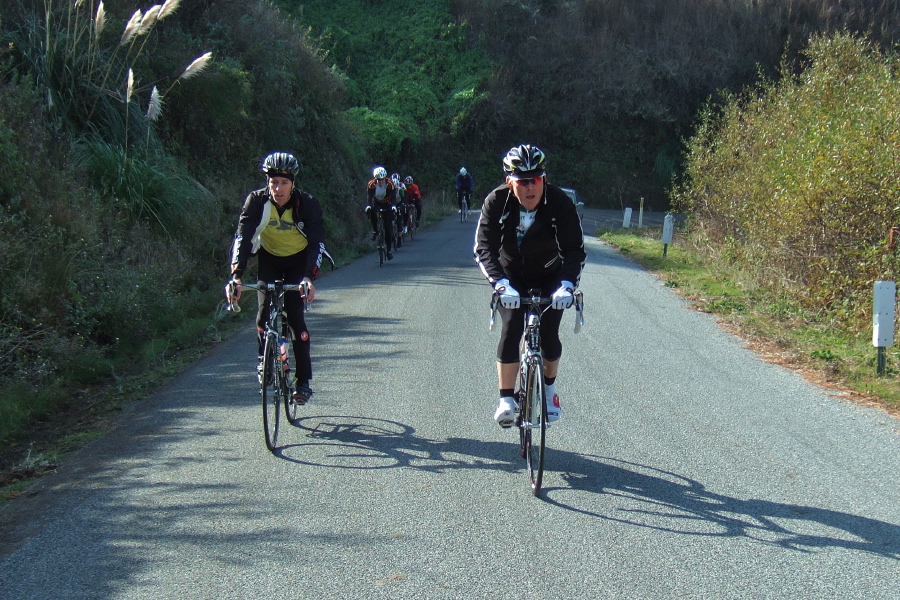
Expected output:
(554, 410)
(505, 415)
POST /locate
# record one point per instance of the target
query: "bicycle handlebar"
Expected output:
(530, 301)
(302, 287)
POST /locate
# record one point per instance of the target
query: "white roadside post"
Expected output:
(626, 222)
(641, 215)
(668, 230)
(883, 319)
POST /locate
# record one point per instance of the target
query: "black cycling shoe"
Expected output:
(302, 395)
(390, 256)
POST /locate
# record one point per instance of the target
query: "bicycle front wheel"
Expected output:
(534, 421)
(291, 408)
(271, 390)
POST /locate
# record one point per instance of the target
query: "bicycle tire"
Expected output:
(464, 211)
(535, 420)
(271, 392)
(291, 408)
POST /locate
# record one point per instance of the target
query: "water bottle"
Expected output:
(287, 365)
(284, 355)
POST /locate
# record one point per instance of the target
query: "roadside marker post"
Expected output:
(626, 222)
(668, 230)
(885, 297)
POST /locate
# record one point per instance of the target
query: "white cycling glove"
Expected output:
(509, 297)
(563, 297)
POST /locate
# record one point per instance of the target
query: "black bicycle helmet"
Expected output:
(281, 164)
(525, 161)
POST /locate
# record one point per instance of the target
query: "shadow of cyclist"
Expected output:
(630, 493)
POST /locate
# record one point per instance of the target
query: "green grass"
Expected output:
(780, 330)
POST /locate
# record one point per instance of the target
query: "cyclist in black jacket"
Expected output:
(284, 226)
(529, 236)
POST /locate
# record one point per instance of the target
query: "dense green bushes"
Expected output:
(797, 181)
(412, 68)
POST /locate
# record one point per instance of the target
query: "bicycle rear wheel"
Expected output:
(534, 422)
(271, 391)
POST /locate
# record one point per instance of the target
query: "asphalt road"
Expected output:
(683, 466)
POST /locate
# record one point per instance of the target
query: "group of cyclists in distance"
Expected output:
(389, 199)
(528, 237)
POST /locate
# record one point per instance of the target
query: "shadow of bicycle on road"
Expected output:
(632, 493)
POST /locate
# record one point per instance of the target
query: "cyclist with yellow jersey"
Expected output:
(283, 226)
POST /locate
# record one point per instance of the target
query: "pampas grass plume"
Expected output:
(130, 86)
(134, 23)
(195, 67)
(149, 20)
(155, 106)
(168, 7)
(100, 19)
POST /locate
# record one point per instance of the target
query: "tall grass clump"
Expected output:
(795, 182)
(89, 71)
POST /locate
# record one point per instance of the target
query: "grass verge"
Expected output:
(772, 325)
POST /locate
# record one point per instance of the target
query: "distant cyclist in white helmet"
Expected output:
(465, 185)
(382, 196)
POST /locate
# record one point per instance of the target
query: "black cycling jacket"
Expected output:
(552, 248)
(307, 217)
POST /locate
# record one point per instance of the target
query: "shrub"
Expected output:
(801, 175)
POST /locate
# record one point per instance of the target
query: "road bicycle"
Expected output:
(276, 379)
(531, 415)
(410, 221)
(379, 236)
(398, 225)
(464, 206)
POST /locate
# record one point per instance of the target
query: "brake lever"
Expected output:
(579, 311)
(495, 301)
(233, 307)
